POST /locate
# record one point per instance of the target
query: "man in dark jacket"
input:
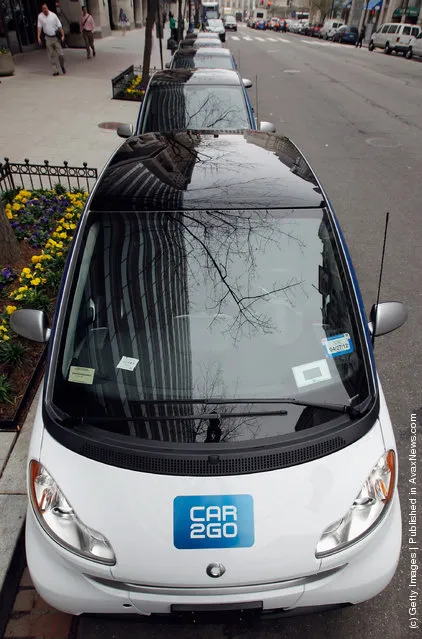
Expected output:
(361, 37)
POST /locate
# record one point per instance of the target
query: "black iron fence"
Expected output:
(45, 176)
(123, 81)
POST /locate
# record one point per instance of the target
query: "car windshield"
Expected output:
(182, 106)
(215, 23)
(200, 61)
(203, 308)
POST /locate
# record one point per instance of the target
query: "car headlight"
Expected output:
(60, 521)
(365, 512)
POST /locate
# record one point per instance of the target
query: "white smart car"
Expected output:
(212, 433)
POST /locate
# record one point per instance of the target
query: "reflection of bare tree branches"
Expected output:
(215, 244)
(230, 429)
(213, 111)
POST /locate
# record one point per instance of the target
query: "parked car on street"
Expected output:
(393, 36)
(200, 99)
(261, 24)
(328, 29)
(275, 24)
(230, 23)
(316, 30)
(198, 43)
(203, 58)
(216, 26)
(211, 419)
(415, 47)
(346, 34)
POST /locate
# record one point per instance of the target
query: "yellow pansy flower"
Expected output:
(10, 309)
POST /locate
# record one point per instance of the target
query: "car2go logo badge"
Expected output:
(213, 521)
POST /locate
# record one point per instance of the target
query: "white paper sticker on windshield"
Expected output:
(312, 373)
(128, 363)
(337, 345)
(81, 375)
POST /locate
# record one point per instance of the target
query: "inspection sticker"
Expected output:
(81, 375)
(337, 345)
(128, 363)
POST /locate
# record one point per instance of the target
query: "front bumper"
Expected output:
(76, 586)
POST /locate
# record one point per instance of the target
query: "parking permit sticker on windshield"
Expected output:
(337, 345)
(81, 375)
(312, 373)
(128, 363)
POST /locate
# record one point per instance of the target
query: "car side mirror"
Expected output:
(267, 127)
(167, 65)
(247, 83)
(31, 324)
(125, 131)
(387, 317)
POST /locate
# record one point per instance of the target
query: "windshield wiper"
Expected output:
(348, 409)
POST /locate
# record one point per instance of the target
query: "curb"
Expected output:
(11, 582)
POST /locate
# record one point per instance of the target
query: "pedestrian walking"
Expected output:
(284, 27)
(123, 21)
(164, 20)
(173, 28)
(49, 24)
(361, 37)
(87, 30)
(172, 45)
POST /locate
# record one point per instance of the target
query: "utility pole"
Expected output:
(179, 23)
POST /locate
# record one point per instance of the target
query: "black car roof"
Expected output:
(205, 51)
(191, 170)
(196, 76)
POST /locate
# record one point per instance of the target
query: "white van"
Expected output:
(415, 47)
(393, 37)
(330, 26)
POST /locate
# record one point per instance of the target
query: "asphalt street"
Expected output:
(357, 116)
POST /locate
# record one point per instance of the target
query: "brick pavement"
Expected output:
(32, 618)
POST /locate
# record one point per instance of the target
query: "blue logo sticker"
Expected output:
(337, 345)
(213, 521)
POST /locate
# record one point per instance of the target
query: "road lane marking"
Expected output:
(283, 40)
(260, 39)
(247, 38)
(272, 39)
(235, 37)
(291, 71)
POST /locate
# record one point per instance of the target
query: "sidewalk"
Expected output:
(56, 118)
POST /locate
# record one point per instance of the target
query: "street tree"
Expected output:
(151, 18)
(323, 7)
(9, 247)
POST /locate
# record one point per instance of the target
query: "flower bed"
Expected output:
(44, 223)
(131, 90)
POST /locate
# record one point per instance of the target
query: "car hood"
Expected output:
(145, 516)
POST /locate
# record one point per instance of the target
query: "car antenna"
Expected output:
(256, 99)
(387, 217)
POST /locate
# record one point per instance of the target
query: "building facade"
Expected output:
(18, 18)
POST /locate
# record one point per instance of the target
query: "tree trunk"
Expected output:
(9, 246)
(151, 17)
(180, 23)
